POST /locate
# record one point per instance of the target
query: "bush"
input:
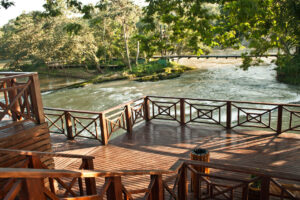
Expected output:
(288, 70)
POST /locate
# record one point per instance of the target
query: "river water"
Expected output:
(214, 79)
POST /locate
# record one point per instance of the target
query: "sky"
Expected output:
(31, 5)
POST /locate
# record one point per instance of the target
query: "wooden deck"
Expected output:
(159, 145)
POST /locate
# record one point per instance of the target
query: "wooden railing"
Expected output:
(226, 181)
(29, 187)
(228, 114)
(21, 98)
(232, 182)
(95, 125)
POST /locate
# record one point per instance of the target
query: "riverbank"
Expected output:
(152, 71)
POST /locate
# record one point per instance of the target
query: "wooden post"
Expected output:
(114, 191)
(157, 192)
(32, 188)
(69, 125)
(103, 127)
(265, 188)
(34, 162)
(182, 184)
(228, 115)
(182, 112)
(279, 119)
(245, 193)
(11, 95)
(36, 99)
(128, 118)
(90, 183)
(195, 186)
(146, 109)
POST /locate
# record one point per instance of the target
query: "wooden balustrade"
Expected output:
(30, 186)
(226, 181)
(21, 98)
(96, 125)
(227, 114)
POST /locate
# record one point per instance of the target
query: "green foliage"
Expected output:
(6, 4)
(150, 68)
(157, 70)
(247, 61)
(265, 25)
(288, 69)
(44, 40)
(114, 28)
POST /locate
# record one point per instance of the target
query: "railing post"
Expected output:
(265, 188)
(146, 109)
(157, 192)
(69, 125)
(114, 191)
(89, 182)
(34, 162)
(103, 127)
(182, 112)
(32, 188)
(128, 119)
(11, 95)
(279, 119)
(228, 115)
(37, 103)
(182, 184)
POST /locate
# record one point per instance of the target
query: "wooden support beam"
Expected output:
(128, 118)
(36, 99)
(182, 184)
(279, 119)
(228, 115)
(103, 127)
(146, 109)
(11, 95)
(182, 112)
(265, 188)
(245, 193)
(32, 188)
(114, 191)
(157, 192)
(90, 183)
(68, 119)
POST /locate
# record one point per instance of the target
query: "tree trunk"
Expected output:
(126, 46)
(297, 50)
(161, 41)
(137, 53)
(145, 57)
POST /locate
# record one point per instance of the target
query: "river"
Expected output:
(214, 79)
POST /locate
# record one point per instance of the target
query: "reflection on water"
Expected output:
(214, 82)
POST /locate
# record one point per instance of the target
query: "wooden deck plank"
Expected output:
(158, 145)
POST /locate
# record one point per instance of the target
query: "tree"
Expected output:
(265, 24)
(123, 14)
(43, 40)
(6, 4)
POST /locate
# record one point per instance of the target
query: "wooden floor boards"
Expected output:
(159, 145)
